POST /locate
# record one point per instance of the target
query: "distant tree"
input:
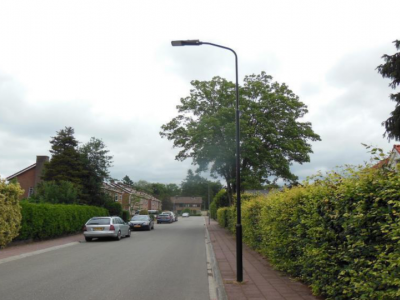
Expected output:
(391, 69)
(272, 134)
(66, 163)
(96, 162)
(166, 204)
(196, 186)
(127, 181)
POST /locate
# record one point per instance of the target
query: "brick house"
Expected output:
(131, 199)
(192, 203)
(30, 177)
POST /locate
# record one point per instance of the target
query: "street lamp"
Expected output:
(239, 246)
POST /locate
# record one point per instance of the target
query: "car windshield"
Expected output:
(99, 221)
(139, 218)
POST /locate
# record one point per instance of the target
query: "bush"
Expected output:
(213, 210)
(114, 208)
(126, 215)
(340, 234)
(144, 212)
(10, 211)
(41, 221)
(222, 217)
(62, 192)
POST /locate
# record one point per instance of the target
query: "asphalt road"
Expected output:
(166, 263)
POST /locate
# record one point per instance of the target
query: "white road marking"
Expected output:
(16, 257)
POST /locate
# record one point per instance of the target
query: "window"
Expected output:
(116, 197)
(30, 192)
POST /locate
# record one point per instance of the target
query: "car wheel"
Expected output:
(88, 239)
(129, 233)
(118, 236)
(149, 228)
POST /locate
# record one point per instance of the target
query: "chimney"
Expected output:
(40, 161)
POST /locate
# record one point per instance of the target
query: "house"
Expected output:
(392, 161)
(192, 203)
(30, 177)
(131, 199)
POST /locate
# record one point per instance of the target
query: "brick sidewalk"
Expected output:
(260, 280)
(34, 246)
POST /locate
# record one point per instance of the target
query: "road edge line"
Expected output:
(215, 282)
(20, 256)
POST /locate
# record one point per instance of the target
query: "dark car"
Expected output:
(141, 222)
(165, 217)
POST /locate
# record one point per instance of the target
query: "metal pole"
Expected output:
(239, 245)
(209, 212)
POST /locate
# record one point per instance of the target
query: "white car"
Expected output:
(185, 215)
(101, 227)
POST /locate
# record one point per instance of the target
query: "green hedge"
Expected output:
(340, 233)
(41, 221)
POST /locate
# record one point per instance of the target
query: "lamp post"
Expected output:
(239, 246)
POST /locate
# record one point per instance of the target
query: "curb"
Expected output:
(216, 284)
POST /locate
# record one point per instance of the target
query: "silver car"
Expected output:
(101, 227)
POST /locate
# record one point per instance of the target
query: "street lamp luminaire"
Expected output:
(239, 246)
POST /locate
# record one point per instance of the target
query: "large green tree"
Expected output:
(66, 163)
(272, 134)
(391, 69)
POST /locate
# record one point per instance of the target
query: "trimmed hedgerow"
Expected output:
(340, 234)
(41, 221)
(10, 211)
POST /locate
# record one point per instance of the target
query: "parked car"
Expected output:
(101, 227)
(165, 217)
(185, 215)
(141, 221)
(174, 216)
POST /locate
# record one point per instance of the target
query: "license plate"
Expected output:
(137, 226)
(98, 228)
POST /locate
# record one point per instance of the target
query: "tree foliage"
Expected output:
(85, 167)
(272, 137)
(391, 69)
(66, 163)
(96, 162)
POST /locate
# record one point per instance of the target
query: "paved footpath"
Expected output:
(24, 248)
(260, 280)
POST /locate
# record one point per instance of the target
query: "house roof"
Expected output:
(188, 200)
(20, 172)
(127, 189)
(109, 187)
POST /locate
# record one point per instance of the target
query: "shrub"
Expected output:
(222, 216)
(340, 233)
(62, 192)
(41, 221)
(126, 215)
(144, 212)
(221, 199)
(114, 208)
(10, 211)
(213, 210)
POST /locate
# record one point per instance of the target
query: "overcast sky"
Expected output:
(107, 69)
